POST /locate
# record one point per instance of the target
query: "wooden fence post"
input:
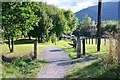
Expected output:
(79, 47)
(104, 40)
(95, 40)
(35, 48)
(92, 39)
(86, 40)
(83, 41)
(89, 40)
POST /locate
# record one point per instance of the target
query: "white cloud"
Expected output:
(54, 2)
(82, 5)
(78, 4)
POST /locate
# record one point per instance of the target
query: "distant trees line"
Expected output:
(106, 26)
(43, 22)
(33, 19)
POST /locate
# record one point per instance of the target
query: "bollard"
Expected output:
(35, 49)
(83, 41)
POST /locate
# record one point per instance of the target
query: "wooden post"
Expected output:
(110, 46)
(95, 40)
(89, 40)
(86, 40)
(79, 47)
(104, 40)
(92, 39)
(83, 41)
(35, 48)
(79, 43)
(12, 42)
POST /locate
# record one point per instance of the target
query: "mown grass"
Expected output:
(0, 69)
(97, 69)
(91, 49)
(22, 69)
(23, 47)
(23, 66)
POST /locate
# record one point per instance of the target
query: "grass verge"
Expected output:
(91, 49)
(23, 67)
(95, 70)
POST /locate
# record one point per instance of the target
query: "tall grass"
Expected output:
(114, 49)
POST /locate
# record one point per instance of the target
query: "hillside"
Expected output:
(109, 12)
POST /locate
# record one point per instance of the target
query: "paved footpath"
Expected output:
(59, 63)
(54, 57)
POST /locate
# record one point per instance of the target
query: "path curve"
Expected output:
(59, 64)
(53, 56)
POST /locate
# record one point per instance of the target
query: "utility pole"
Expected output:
(99, 25)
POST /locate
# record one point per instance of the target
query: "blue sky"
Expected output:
(75, 5)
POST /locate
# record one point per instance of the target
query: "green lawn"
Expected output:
(98, 68)
(23, 66)
(23, 48)
(90, 48)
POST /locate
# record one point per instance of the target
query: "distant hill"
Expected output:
(109, 12)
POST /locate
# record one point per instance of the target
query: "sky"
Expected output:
(74, 5)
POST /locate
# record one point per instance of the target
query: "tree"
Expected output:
(53, 21)
(85, 26)
(43, 28)
(72, 21)
(109, 26)
(17, 20)
(59, 24)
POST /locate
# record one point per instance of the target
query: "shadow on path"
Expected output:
(59, 63)
(56, 50)
(86, 59)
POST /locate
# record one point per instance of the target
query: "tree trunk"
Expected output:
(29, 37)
(39, 39)
(12, 42)
(9, 43)
(47, 38)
